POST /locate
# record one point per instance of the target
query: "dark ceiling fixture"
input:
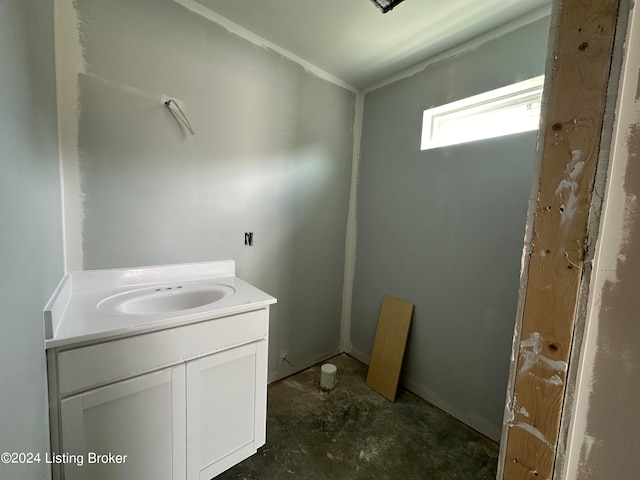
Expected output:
(386, 5)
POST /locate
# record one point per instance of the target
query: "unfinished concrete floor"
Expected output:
(354, 433)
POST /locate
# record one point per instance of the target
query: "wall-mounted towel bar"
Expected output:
(179, 114)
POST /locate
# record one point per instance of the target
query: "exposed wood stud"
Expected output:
(574, 118)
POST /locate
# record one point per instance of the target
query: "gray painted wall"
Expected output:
(31, 263)
(606, 437)
(271, 154)
(444, 229)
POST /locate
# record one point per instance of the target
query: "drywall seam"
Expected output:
(69, 64)
(350, 242)
(242, 32)
(608, 247)
(527, 19)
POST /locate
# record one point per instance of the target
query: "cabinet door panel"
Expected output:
(142, 418)
(221, 410)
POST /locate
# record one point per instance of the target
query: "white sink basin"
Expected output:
(165, 299)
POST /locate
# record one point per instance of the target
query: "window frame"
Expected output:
(519, 94)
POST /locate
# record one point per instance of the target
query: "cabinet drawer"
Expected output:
(86, 367)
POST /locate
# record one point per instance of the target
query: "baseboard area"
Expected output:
(478, 424)
(359, 355)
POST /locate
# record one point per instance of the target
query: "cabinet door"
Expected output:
(226, 409)
(143, 418)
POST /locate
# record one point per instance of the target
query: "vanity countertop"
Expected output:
(74, 316)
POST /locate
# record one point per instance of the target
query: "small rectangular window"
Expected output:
(511, 109)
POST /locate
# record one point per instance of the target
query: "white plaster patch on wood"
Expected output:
(510, 417)
(533, 431)
(523, 411)
(534, 341)
(568, 186)
(510, 407)
(531, 350)
(554, 380)
(514, 342)
(523, 258)
(558, 365)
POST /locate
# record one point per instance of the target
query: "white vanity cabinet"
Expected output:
(223, 424)
(142, 418)
(183, 403)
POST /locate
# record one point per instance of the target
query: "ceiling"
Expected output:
(354, 41)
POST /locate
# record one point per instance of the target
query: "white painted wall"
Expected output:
(603, 437)
(272, 154)
(31, 262)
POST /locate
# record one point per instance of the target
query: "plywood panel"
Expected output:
(575, 112)
(389, 346)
